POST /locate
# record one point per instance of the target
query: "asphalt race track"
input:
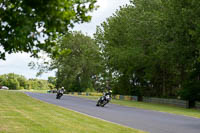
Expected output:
(151, 121)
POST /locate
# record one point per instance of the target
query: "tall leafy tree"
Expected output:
(126, 40)
(153, 46)
(24, 22)
(78, 63)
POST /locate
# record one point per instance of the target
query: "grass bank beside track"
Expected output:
(151, 106)
(20, 113)
(142, 105)
(37, 91)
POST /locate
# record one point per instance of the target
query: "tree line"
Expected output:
(19, 82)
(147, 48)
(153, 47)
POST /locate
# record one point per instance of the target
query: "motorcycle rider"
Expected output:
(108, 94)
(104, 99)
(60, 93)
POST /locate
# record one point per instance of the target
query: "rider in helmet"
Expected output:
(109, 93)
(109, 89)
(62, 90)
(60, 93)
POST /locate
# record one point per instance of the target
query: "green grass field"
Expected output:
(22, 114)
(156, 107)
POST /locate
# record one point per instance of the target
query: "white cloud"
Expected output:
(18, 63)
(106, 9)
(103, 4)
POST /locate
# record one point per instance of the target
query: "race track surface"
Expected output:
(146, 120)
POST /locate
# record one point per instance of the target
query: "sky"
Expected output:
(18, 63)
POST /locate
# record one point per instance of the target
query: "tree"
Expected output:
(191, 92)
(52, 80)
(79, 62)
(152, 46)
(22, 81)
(16, 82)
(10, 80)
(13, 84)
(126, 41)
(24, 22)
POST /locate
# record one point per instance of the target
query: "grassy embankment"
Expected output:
(151, 106)
(22, 114)
(38, 91)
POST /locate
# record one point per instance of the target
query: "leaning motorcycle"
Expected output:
(102, 101)
(59, 95)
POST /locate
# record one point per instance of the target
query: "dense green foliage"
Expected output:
(191, 91)
(52, 80)
(151, 47)
(79, 62)
(24, 22)
(147, 48)
(18, 82)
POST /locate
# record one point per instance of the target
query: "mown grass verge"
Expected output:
(22, 114)
(151, 106)
(37, 91)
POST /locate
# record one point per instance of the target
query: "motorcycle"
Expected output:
(103, 100)
(60, 94)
